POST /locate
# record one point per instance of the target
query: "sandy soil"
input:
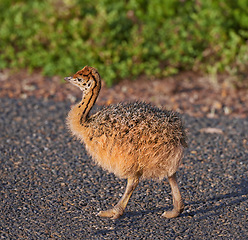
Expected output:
(187, 92)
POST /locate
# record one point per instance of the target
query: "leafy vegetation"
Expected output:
(124, 39)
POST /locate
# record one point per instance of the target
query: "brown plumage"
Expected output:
(132, 140)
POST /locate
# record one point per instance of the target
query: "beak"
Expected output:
(68, 79)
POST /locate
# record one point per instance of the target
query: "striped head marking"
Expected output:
(85, 79)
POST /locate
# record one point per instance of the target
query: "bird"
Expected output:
(133, 140)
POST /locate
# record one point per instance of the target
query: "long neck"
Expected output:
(88, 102)
(79, 112)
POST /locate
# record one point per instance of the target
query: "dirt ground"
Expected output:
(187, 92)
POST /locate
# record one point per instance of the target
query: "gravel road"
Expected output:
(50, 188)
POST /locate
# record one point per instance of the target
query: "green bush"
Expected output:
(124, 39)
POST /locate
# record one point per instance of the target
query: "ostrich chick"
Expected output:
(132, 140)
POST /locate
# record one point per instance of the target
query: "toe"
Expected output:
(171, 214)
(111, 213)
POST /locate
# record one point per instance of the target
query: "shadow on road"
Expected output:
(208, 207)
(212, 205)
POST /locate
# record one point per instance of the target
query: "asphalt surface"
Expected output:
(51, 189)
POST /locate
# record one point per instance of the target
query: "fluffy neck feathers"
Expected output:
(79, 113)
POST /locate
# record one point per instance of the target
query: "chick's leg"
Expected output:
(119, 208)
(177, 199)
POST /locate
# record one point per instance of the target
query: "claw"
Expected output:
(171, 214)
(111, 213)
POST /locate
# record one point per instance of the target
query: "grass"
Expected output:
(127, 38)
